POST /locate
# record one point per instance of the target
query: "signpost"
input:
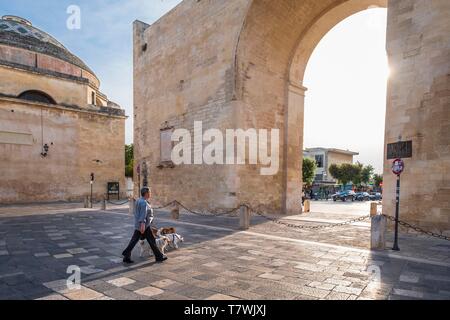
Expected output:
(399, 150)
(114, 189)
(397, 168)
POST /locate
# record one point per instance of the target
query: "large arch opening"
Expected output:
(345, 106)
(275, 45)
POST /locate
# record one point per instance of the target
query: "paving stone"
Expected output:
(121, 282)
(314, 292)
(337, 296)
(338, 282)
(163, 284)
(247, 258)
(77, 251)
(90, 270)
(408, 293)
(322, 285)
(63, 256)
(348, 290)
(53, 297)
(67, 244)
(271, 276)
(149, 291)
(409, 279)
(82, 294)
(42, 254)
(212, 265)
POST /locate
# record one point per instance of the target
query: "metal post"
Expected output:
(397, 215)
(104, 204)
(91, 194)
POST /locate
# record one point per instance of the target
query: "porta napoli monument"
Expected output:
(239, 64)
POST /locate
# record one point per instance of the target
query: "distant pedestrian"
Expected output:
(143, 217)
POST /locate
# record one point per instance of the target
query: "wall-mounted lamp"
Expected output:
(45, 149)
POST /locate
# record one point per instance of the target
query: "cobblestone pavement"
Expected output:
(217, 261)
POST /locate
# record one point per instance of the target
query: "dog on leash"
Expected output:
(165, 238)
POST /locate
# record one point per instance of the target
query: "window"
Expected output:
(319, 161)
(93, 98)
(37, 96)
(166, 145)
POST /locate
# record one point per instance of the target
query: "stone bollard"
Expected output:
(104, 204)
(244, 218)
(307, 206)
(132, 205)
(176, 212)
(378, 232)
(86, 202)
(373, 209)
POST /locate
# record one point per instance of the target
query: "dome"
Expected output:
(19, 32)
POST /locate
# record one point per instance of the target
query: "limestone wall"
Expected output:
(76, 139)
(186, 74)
(240, 64)
(14, 81)
(419, 109)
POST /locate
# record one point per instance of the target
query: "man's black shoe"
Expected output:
(161, 260)
(128, 260)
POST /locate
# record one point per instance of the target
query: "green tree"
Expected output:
(356, 173)
(309, 171)
(346, 173)
(378, 180)
(129, 160)
(366, 174)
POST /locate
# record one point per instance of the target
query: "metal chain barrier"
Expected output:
(231, 212)
(234, 212)
(118, 203)
(170, 204)
(418, 229)
(305, 227)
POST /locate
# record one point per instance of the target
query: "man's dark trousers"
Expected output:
(150, 239)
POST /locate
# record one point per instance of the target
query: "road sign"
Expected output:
(399, 150)
(398, 166)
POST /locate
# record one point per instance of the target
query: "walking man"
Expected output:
(142, 220)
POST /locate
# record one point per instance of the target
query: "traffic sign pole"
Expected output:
(397, 168)
(397, 215)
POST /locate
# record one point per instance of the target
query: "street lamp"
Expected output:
(45, 149)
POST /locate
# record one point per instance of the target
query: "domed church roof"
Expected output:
(19, 32)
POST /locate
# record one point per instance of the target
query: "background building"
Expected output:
(56, 127)
(325, 158)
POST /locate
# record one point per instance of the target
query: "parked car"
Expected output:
(376, 196)
(344, 196)
(362, 196)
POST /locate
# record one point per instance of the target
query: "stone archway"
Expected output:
(275, 45)
(240, 64)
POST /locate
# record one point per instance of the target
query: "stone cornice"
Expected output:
(103, 111)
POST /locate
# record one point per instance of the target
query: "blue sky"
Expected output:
(346, 76)
(104, 41)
